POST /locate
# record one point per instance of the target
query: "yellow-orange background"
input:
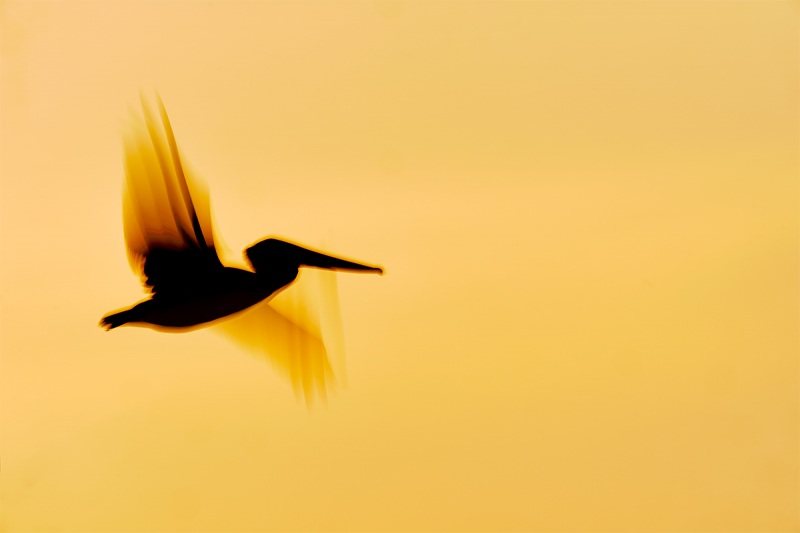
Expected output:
(589, 216)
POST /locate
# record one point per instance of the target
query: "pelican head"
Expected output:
(277, 258)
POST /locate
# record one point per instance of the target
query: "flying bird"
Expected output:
(170, 242)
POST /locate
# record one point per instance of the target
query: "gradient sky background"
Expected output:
(588, 212)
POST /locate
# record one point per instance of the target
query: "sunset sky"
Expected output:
(588, 216)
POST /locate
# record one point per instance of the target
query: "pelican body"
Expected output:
(171, 243)
(208, 290)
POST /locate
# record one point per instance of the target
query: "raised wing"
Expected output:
(299, 332)
(166, 215)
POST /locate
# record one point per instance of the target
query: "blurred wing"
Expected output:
(166, 215)
(299, 332)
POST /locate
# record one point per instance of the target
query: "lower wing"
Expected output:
(299, 332)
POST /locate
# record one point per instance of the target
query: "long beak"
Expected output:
(271, 252)
(310, 258)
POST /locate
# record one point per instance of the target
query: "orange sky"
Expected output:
(588, 213)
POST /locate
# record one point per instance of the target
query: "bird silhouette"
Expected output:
(170, 243)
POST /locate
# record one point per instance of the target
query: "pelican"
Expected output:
(170, 243)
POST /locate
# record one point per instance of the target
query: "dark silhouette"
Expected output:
(171, 243)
